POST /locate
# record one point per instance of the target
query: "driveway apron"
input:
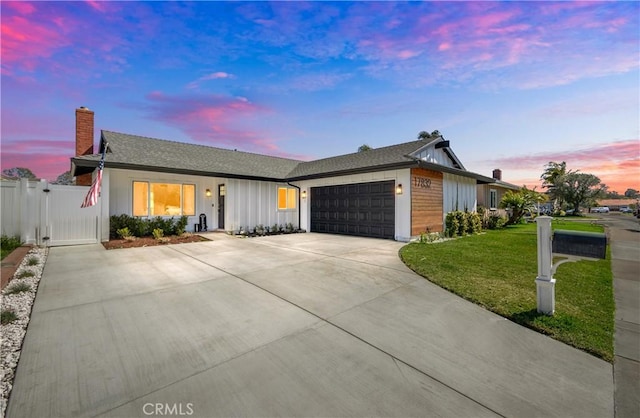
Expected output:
(291, 325)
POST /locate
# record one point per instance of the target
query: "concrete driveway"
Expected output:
(291, 325)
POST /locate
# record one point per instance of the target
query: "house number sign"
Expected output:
(422, 182)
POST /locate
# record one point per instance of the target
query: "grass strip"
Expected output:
(497, 270)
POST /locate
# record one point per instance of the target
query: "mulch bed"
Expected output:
(150, 241)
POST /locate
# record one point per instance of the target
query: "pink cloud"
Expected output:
(25, 42)
(617, 164)
(100, 6)
(21, 7)
(214, 119)
(46, 159)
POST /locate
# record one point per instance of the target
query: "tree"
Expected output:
(64, 178)
(427, 135)
(551, 179)
(580, 189)
(19, 173)
(631, 193)
(364, 147)
(519, 203)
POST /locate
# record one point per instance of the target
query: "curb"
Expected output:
(11, 263)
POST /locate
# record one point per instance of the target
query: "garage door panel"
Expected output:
(364, 209)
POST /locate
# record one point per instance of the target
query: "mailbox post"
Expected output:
(545, 283)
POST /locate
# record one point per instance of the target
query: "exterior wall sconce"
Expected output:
(304, 194)
(208, 193)
(399, 189)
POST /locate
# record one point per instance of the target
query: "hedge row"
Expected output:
(140, 227)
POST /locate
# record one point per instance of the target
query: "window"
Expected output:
(163, 199)
(287, 198)
(493, 199)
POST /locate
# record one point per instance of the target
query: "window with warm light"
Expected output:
(163, 199)
(287, 198)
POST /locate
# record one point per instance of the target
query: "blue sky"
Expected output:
(512, 85)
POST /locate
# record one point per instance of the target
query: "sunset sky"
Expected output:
(512, 85)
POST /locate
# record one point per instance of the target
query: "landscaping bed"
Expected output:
(151, 241)
(17, 301)
(497, 270)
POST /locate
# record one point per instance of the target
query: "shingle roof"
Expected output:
(138, 152)
(393, 155)
(150, 154)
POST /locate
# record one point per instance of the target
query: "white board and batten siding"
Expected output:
(248, 203)
(459, 193)
(251, 203)
(49, 215)
(434, 155)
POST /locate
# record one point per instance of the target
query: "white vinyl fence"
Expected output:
(48, 214)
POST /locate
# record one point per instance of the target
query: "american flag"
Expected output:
(94, 191)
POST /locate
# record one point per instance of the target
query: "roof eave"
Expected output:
(82, 166)
(403, 164)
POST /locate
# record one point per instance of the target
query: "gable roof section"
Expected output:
(150, 154)
(393, 156)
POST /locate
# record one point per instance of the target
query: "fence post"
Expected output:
(545, 283)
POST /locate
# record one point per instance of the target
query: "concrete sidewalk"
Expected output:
(292, 325)
(624, 233)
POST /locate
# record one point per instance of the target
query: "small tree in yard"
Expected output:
(581, 189)
(519, 203)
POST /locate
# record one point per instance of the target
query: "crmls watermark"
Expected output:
(163, 409)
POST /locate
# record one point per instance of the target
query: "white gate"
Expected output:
(66, 223)
(46, 214)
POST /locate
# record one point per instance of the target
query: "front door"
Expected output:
(222, 191)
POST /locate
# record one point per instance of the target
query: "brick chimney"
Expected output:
(497, 174)
(84, 140)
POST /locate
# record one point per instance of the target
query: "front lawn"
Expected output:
(497, 270)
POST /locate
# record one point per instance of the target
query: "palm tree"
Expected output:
(552, 178)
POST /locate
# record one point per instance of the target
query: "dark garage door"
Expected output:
(364, 209)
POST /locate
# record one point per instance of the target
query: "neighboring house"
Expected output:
(394, 192)
(490, 194)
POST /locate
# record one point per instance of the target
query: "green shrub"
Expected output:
(144, 227)
(180, 225)
(33, 261)
(8, 244)
(474, 223)
(451, 225)
(7, 316)
(24, 273)
(496, 222)
(124, 232)
(158, 234)
(463, 222)
(459, 223)
(17, 288)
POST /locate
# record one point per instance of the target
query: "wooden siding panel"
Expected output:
(426, 201)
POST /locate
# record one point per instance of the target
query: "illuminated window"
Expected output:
(163, 199)
(140, 198)
(287, 198)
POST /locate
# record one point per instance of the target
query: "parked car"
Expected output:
(626, 209)
(600, 209)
